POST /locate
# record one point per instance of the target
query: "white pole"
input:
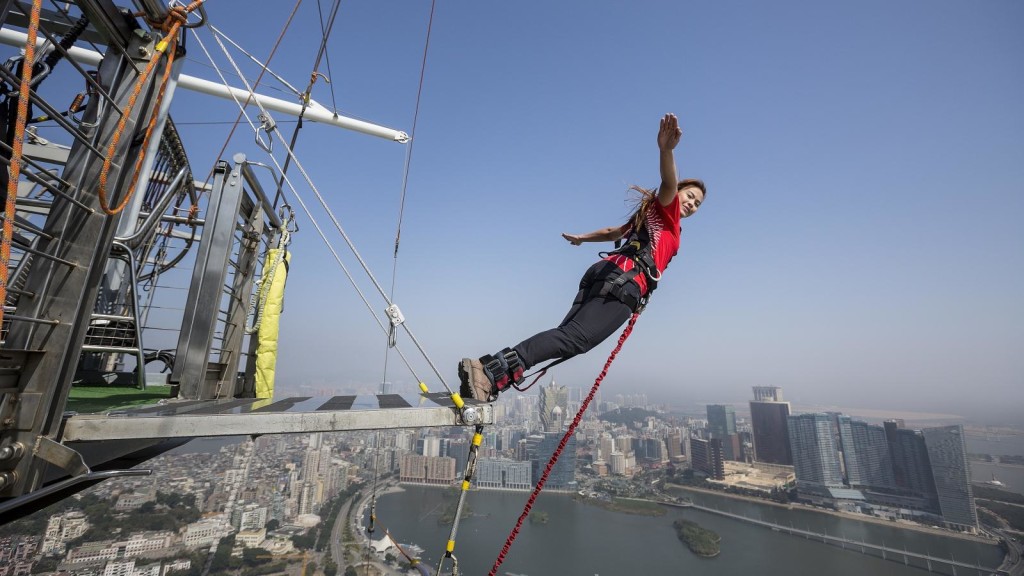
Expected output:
(314, 112)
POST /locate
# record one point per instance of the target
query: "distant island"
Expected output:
(701, 541)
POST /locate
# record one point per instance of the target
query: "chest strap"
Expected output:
(640, 250)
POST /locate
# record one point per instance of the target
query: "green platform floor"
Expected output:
(96, 399)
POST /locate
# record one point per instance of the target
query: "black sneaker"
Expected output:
(473, 381)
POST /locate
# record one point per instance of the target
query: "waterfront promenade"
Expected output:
(903, 525)
(885, 552)
(1012, 565)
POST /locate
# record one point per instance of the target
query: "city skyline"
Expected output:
(286, 479)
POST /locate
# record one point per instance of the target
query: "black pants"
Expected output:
(590, 320)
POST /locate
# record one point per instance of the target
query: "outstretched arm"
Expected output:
(669, 134)
(603, 235)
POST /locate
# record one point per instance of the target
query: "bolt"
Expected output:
(143, 51)
(7, 479)
(12, 451)
(470, 415)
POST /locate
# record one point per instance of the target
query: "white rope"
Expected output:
(316, 225)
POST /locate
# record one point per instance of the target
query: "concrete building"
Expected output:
(707, 457)
(252, 517)
(418, 469)
(62, 528)
(205, 532)
(502, 473)
(674, 445)
(768, 419)
(251, 538)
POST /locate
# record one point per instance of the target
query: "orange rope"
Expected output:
(10, 207)
(176, 16)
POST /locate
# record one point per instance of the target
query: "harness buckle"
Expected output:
(496, 369)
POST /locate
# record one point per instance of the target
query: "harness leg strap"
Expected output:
(504, 368)
(515, 365)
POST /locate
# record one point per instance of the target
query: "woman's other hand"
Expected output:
(573, 239)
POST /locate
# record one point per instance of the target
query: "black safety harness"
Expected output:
(505, 369)
(640, 250)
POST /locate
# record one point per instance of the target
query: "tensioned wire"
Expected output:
(394, 269)
(308, 213)
(323, 53)
(330, 213)
(252, 92)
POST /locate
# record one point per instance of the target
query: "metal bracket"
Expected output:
(267, 124)
(396, 318)
(61, 456)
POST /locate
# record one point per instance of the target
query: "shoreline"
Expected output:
(996, 464)
(791, 506)
(846, 515)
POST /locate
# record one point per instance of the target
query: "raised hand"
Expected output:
(669, 132)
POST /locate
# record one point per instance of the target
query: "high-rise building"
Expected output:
(947, 451)
(722, 425)
(554, 404)
(816, 459)
(721, 420)
(768, 414)
(459, 450)
(540, 447)
(912, 469)
(674, 445)
(707, 457)
(431, 446)
(866, 455)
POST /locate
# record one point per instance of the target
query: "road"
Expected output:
(359, 531)
(1013, 564)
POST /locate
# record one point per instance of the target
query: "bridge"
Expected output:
(1010, 566)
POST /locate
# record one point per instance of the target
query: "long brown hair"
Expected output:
(643, 198)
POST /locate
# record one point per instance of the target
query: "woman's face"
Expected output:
(690, 199)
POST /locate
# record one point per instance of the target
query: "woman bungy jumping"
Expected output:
(612, 289)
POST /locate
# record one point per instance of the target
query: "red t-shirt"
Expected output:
(663, 226)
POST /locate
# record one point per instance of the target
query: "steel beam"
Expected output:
(81, 428)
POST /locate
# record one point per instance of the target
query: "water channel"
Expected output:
(581, 539)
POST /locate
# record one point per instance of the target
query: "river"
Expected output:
(580, 539)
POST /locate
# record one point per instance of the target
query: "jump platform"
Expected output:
(250, 416)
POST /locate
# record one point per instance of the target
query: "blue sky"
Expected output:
(861, 244)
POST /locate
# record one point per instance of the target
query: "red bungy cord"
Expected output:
(561, 445)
